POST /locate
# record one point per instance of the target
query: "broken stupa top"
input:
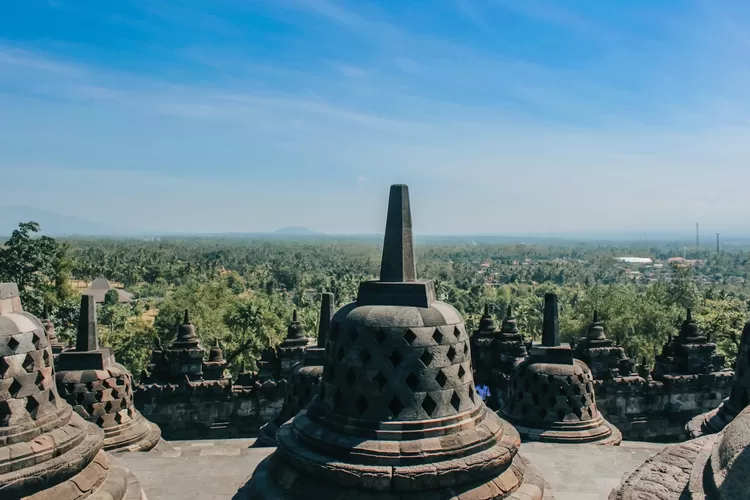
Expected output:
(551, 395)
(397, 399)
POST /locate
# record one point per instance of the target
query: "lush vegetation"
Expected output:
(242, 292)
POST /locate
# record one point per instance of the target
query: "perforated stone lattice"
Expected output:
(26, 380)
(104, 397)
(398, 373)
(543, 399)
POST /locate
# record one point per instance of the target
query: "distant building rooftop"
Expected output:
(99, 288)
(635, 260)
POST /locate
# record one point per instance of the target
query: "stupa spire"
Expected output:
(326, 314)
(86, 337)
(551, 324)
(398, 264)
(509, 325)
(596, 329)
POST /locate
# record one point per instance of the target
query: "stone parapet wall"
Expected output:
(209, 409)
(649, 410)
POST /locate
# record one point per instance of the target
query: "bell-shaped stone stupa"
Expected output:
(304, 379)
(47, 451)
(397, 414)
(551, 396)
(101, 390)
(715, 420)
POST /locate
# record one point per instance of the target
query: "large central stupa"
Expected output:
(397, 414)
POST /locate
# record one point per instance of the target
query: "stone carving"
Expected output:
(715, 420)
(690, 353)
(47, 451)
(713, 467)
(183, 361)
(304, 378)
(101, 390)
(605, 359)
(495, 352)
(291, 350)
(213, 369)
(396, 414)
(551, 396)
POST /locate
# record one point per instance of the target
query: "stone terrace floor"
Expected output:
(208, 470)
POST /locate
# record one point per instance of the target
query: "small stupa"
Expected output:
(712, 467)
(101, 390)
(509, 348)
(304, 379)
(716, 420)
(551, 396)
(47, 451)
(292, 349)
(397, 415)
(690, 353)
(213, 369)
(605, 359)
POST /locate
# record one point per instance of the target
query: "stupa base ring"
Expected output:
(137, 435)
(264, 487)
(709, 423)
(604, 434)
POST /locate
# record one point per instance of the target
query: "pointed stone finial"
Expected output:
(689, 329)
(509, 325)
(87, 338)
(487, 322)
(186, 319)
(326, 315)
(398, 263)
(295, 330)
(551, 324)
(596, 329)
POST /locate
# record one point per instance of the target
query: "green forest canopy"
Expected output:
(242, 291)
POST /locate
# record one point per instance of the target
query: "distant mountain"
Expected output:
(51, 223)
(296, 231)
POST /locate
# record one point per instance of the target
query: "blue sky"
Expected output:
(503, 116)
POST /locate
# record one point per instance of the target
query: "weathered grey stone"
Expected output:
(47, 451)
(101, 390)
(551, 396)
(712, 467)
(397, 414)
(718, 418)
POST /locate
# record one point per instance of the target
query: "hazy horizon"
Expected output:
(514, 118)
